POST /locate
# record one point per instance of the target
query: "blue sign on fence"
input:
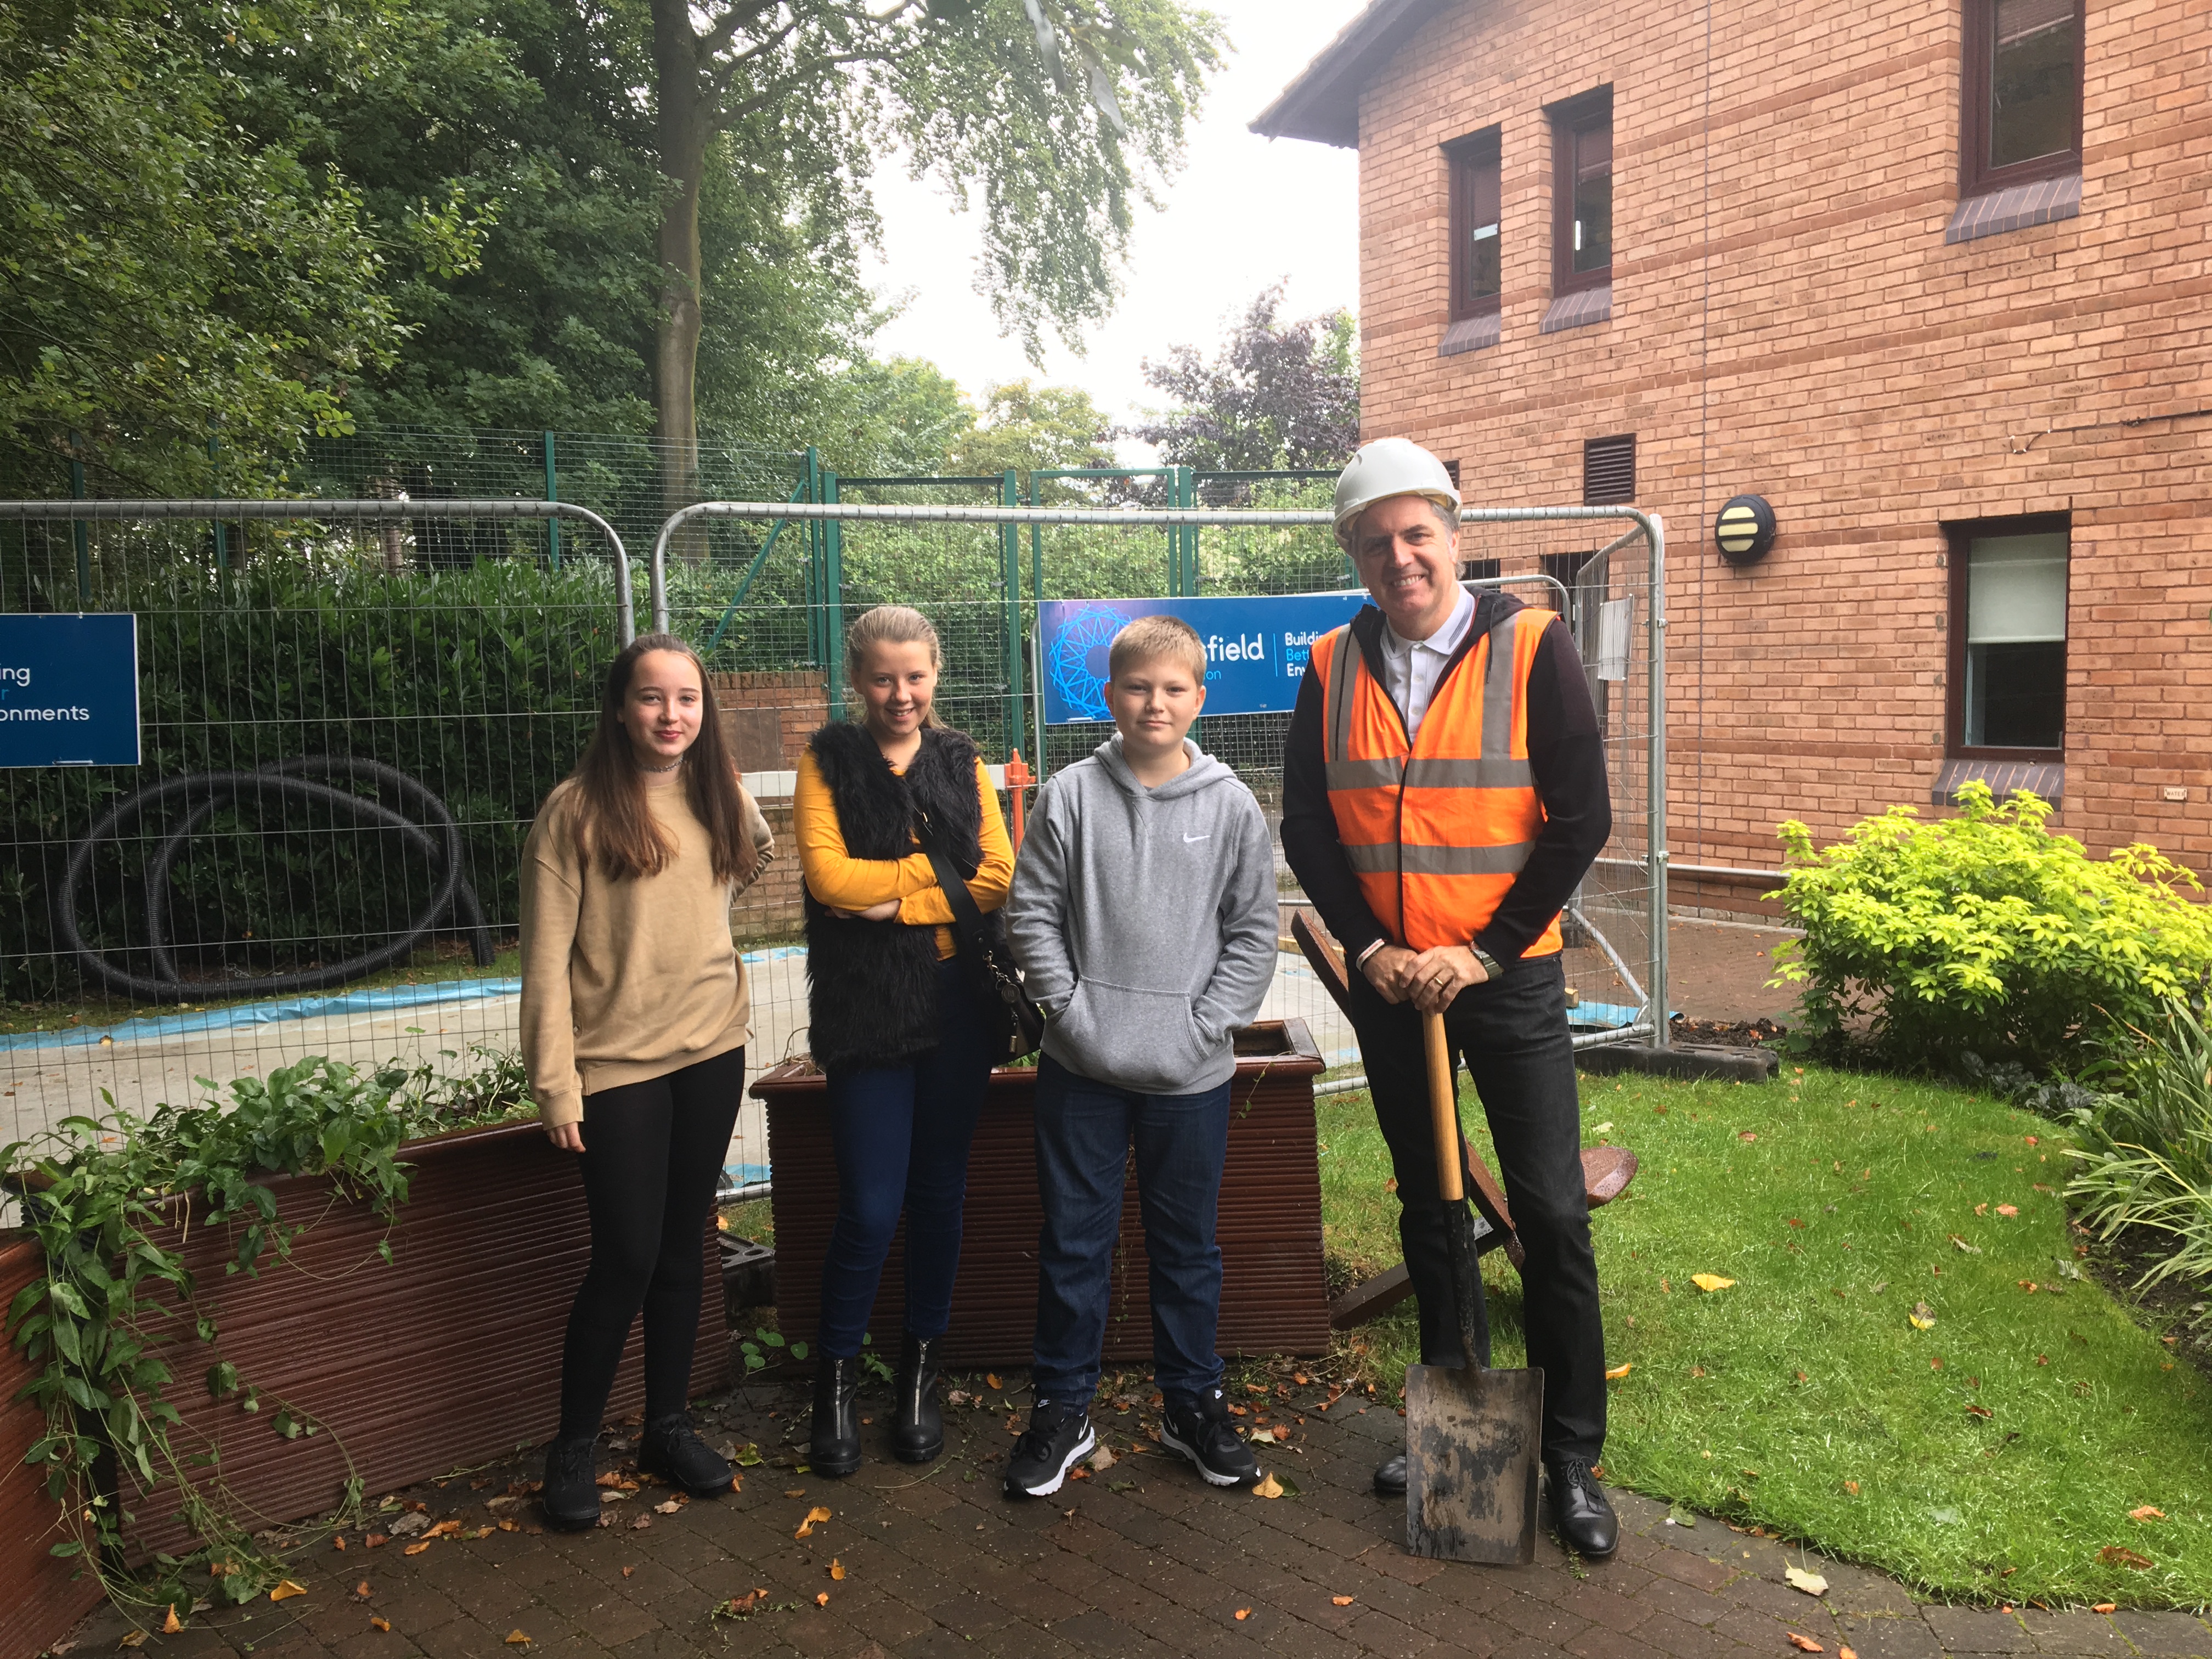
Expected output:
(1256, 649)
(69, 690)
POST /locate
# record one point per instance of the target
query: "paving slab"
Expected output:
(1141, 1560)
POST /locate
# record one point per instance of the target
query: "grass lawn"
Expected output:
(1995, 1455)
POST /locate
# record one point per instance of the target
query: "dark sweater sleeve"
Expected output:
(1310, 843)
(1567, 757)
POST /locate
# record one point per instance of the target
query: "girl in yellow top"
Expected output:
(897, 1020)
(634, 1018)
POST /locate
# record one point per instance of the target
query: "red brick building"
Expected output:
(1930, 277)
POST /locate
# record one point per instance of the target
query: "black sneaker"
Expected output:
(571, 1497)
(1201, 1431)
(672, 1448)
(1058, 1438)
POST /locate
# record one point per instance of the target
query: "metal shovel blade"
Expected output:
(1473, 1438)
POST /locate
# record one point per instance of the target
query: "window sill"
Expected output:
(2044, 201)
(2047, 778)
(1579, 309)
(1470, 334)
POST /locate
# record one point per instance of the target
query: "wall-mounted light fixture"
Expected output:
(1745, 529)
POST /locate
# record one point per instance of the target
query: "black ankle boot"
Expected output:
(917, 1424)
(835, 1449)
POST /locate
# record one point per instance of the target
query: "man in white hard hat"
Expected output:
(1443, 792)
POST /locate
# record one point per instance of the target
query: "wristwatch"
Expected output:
(1489, 968)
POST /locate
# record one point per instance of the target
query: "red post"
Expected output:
(1018, 778)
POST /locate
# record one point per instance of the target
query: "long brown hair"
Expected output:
(616, 825)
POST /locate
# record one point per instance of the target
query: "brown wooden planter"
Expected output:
(1274, 1297)
(448, 1355)
(45, 1594)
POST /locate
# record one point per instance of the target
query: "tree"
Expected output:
(1035, 428)
(1279, 395)
(1051, 109)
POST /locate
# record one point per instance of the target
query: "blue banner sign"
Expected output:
(69, 690)
(1256, 649)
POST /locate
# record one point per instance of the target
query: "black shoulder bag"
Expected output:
(1018, 1029)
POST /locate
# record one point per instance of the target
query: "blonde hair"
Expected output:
(890, 624)
(1151, 637)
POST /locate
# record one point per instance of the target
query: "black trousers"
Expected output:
(1512, 1033)
(652, 1159)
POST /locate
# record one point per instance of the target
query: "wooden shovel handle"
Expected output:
(1443, 1108)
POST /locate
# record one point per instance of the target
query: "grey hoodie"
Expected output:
(1147, 919)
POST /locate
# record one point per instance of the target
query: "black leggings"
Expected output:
(653, 1157)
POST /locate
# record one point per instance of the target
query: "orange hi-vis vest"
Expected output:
(1436, 828)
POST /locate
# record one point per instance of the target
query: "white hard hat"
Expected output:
(1388, 467)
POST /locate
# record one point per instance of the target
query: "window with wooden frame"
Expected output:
(1477, 270)
(1582, 192)
(2021, 85)
(2006, 684)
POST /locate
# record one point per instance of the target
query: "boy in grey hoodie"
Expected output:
(1144, 918)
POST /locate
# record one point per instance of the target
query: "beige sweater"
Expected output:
(626, 981)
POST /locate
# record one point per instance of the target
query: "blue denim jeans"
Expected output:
(1085, 1130)
(902, 1134)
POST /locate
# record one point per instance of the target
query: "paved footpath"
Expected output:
(1137, 1559)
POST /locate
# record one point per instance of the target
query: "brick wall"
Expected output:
(1787, 319)
(767, 719)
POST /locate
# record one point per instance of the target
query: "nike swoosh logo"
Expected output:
(1209, 835)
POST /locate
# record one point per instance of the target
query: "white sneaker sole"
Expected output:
(1084, 1449)
(1168, 1439)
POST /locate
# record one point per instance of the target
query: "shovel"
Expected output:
(1472, 1434)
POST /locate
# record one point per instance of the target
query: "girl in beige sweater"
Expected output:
(634, 1018)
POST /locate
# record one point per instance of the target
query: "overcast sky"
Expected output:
(1244, 212)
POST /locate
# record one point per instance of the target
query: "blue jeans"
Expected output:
(902, 1135)
(1084, 1133)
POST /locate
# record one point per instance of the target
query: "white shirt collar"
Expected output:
(1444, 641)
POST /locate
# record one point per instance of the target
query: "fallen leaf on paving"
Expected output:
(1101, 1460)
(288, 1589)
(2104, 1607)
(443, 1529)
(1618, 1372)
(1711, 1281)
(627, 1570)
(136, 1638)
(822, 1600)
(749, 1458)
(1922, 1316)
(1268, 1487)
(1679, 1516)
(376, 1622)
(1811, 1582)
(1341, 1600)
(991, 1378)
(640, 1524)
(515, 1639)
(506, 1524)
(1847, 1653)
(1805, 1643)
(339, 1542)
(2147, 1513)
(2113, 1555)
(1266, 1435)
(836, 1570)
(744, 1604)
(2008, 1209)
(172, 1625)
(417, 1549)
(362, 1589)
(668, 1508)
(1242, 1614)
(794, 1492)
(376, 1541)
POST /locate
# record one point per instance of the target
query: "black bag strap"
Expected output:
(967, 919)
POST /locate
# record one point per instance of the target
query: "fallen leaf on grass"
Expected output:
(1242, 1614)
(817, 1513)
(2147, 1513)
(2008, 1209)
(1745, 1134)
(1980, 1411)
(287, 1590)
(171, 1624)
(376, 1621)
(822, 1600)
(1811, 1582)
(836, 1570)
(1805, 1643)
(1268, 1487)
(1710, 1282)
(1923, 1317)
(1852, 1487)
(2113, 1555)
(1960, 1244)
(1620, 1371)
(1340, 1600)
(1391, 1185)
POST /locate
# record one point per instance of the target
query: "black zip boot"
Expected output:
(917, 1424)
(834, 1447)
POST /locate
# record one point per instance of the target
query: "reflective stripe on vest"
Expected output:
(1436, 830)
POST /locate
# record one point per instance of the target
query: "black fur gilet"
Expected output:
(872, 986)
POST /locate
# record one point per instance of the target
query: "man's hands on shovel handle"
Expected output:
(1427, 978)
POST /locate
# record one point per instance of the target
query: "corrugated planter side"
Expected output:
(450, 1354)
(1274, 1294)
(45, 1594)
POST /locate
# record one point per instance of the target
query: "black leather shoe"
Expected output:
(672, 1448)
(917, 1424)
(834, 1447)
(1586, 1522)
(571, 1496)
(1390, 1477)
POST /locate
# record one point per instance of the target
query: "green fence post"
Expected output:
(214, 488)
(833, 589)
(79, 531)
(552, 493)
(1010, 560)
(812, 480)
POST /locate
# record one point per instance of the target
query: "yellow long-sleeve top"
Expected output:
(845, 883)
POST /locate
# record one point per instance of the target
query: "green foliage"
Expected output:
(109, 1199)
(2146, 1150)
(755, 1349)
(1985, 931)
